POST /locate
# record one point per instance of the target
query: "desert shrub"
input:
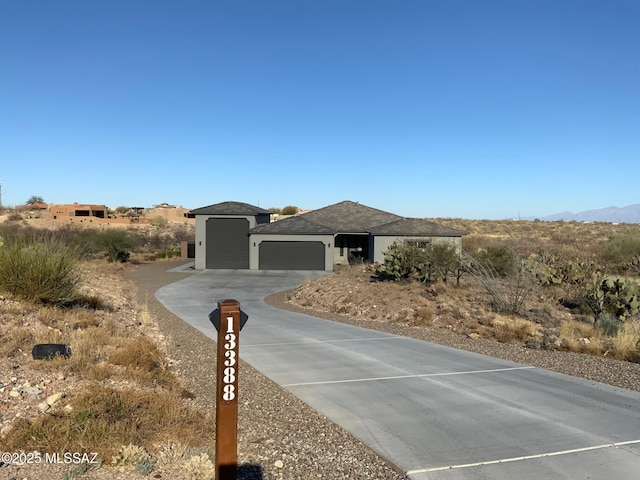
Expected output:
(501, 260)
(443, 260)
(41, 272)
(623, 253)
(427, 264)
(507, 291)
(610, 324)
(400, 261)
(116, 244)
(14, 217)
(74, 237)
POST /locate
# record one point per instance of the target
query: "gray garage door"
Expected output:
(291, 255)
(227, 243)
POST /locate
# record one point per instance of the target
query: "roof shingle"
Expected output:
(229, 208)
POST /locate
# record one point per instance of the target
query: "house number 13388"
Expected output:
(229, 378)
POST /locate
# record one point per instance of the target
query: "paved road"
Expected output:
(433, 411)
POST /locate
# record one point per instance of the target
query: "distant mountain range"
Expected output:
(628, 214)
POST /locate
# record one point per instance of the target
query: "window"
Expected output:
(420, 243)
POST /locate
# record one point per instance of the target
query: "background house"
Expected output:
(239, 236)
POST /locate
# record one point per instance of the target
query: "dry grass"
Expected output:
(143, 362)
(15, 341)
(626, 344)
(104, 419)
(424, 315)
(577, 329)
(111, 345)
(354, 291)
(584, 337)
(510, 329)
(524, 237)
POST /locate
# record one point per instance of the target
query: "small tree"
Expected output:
(121, 210)
(290, 210)
(34, 199)
(443, 258)
(116, 244)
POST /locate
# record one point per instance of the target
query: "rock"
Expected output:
(43, 406)
(32, 392)
(68, 408)
(278, 464)
(14, 393)
(474, 336)
(6, 429)
(52, 399)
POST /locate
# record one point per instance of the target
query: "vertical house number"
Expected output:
(229, 378)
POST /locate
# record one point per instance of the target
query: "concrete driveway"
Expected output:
(433, 411)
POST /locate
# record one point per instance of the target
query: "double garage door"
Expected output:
(291, 255)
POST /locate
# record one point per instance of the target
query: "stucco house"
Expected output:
(234, 235)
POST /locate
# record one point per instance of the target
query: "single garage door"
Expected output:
(227, 243)
(291, 255)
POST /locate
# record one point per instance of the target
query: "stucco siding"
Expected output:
(201, 236)
(382, 243)
(255, 239)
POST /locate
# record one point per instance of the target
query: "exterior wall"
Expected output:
(77, 212)
(201, 234)
(382, 243)
(256, 238)
(187, 250)
(341, 259)
(170, 214)
(350, 243)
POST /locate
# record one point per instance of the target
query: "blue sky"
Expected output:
(473, 109)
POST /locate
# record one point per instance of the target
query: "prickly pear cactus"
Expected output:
(621, 296)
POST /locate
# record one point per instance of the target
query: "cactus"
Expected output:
(555, 270)
(405, 261)
(622, 296)
(615, 296)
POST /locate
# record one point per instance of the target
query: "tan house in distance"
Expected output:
(77, 210)
(98, 213)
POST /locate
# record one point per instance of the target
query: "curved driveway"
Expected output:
(433, 411)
